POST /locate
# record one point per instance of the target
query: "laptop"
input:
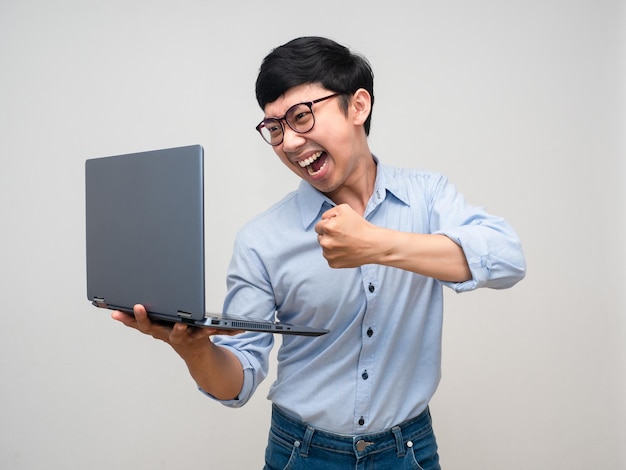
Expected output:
(145, 239)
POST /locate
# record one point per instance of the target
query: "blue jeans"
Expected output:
(293, 445)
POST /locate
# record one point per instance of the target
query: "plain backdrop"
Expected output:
(520, 103)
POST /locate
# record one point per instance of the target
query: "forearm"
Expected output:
(434, 256)
(216, 370)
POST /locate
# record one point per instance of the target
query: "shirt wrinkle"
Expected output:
(380, 364)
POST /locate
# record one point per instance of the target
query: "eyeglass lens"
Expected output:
(299, 118)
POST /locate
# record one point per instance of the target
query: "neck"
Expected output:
(356, 192)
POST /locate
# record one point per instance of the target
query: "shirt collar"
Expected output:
(387, 182)
(313, 203)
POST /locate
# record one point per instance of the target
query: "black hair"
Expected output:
(314, 60)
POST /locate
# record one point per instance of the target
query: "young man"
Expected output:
(362, 249)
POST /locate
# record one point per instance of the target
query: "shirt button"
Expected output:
(361, 421)
(365, 375)
(371, 288)
(370, 332)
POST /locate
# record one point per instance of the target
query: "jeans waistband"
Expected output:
(305, 436)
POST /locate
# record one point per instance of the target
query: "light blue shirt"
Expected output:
(380, 364)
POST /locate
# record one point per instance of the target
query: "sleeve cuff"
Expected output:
(246, 389)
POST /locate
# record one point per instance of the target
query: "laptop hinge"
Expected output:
(99, 302)
(183, 314)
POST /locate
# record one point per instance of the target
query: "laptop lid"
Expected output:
(145, 231)
(145, 239)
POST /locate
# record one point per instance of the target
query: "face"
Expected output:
(329, 155)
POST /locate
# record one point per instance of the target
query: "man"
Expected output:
(361, 249)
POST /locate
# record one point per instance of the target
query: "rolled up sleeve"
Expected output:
(492, 248)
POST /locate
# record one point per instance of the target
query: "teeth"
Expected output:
(310, 160)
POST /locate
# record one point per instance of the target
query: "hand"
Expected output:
(346, 238)
(183, 338)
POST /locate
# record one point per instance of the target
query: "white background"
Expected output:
(521, 104)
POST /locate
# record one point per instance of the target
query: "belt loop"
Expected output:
(397, 433)
(306, 441)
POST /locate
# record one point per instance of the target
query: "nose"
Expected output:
(292, 140)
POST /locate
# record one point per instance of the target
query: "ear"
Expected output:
(361, 106)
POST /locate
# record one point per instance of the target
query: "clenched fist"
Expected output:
(346, 238)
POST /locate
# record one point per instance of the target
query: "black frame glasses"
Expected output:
(299, 118)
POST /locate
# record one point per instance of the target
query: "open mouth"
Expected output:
(315, 163)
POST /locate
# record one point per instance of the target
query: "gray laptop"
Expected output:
(145, 239)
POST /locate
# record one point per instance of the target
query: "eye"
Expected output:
(273, 127)
(301, 116)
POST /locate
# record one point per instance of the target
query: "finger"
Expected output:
(182, 333)
(125, 318)
(232, 332)
(141, 315)
(178, 334)
(201, 332)
(326, 225)
(319, 227)
(330, 213)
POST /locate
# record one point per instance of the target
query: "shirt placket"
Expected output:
(366, 370)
